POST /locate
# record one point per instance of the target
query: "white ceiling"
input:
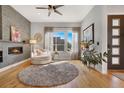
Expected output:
(71, 13)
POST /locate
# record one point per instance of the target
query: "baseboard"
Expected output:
(13, 65)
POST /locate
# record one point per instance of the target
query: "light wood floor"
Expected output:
(86, 78)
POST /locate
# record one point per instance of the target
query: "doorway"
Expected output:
(116, 41)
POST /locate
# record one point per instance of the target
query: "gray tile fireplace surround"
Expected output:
(9, 59)
(9, 17)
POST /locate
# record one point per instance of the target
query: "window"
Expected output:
(58, 41)
(115, 41)
(62, 41)
(116, 22)
(115, 32)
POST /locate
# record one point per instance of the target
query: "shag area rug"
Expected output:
(119, 75)
(49, 75)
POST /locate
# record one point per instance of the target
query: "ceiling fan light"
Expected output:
(38, 13)
(51, 9)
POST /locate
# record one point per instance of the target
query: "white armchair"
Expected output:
(41, 56)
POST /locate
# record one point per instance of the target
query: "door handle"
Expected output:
(109, 48)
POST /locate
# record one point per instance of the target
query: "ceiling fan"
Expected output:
(51, 8)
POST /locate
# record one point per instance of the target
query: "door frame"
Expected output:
(109, 39)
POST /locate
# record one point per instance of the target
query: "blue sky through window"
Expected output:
(62, 35)
(70, 37)
(59, 34)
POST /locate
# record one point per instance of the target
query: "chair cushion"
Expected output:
(38, 52)
(41, 58)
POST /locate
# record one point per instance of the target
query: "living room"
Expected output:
(41, 45)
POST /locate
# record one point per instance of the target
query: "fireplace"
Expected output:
(15, 50)
(1, 56)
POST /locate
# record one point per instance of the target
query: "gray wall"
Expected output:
(95, 16)
(12, 17)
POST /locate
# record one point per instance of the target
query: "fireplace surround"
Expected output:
(15, 50)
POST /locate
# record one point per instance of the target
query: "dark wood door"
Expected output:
(116, 41)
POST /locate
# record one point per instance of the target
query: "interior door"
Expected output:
(116, 41)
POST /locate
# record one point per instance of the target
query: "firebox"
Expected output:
(15, 50)
(1, 56)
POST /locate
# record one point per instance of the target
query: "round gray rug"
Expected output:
(48, 76)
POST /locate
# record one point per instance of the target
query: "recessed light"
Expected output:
(38, 13)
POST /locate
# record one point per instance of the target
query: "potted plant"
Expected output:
(91, 56)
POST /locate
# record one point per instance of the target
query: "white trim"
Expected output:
(13, 65)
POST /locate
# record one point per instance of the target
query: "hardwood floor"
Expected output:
(86, 78)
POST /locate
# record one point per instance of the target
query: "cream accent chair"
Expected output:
(41, 56)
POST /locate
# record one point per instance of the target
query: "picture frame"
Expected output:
(15, 35)
(88, 33)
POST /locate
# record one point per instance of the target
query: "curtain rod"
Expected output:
(61, 27)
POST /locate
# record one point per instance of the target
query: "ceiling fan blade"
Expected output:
(57, 6)
(57, 12)
(49, 13)
(41, 8)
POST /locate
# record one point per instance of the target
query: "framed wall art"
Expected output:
(15, 35)
(88, 33)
